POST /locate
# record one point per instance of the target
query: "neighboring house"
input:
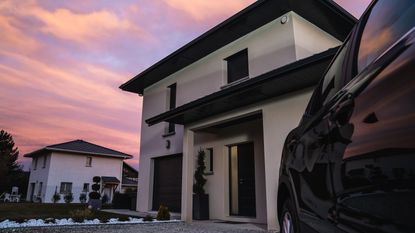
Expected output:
(129, 179)
(236, 92)
(69, 168)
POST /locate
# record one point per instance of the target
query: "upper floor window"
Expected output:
(88, 162)
(171, 104)
(237, 66)
(44, 161)
(35, 163)
(387, 23)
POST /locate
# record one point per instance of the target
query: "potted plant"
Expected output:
(68, 198)
(200, 198)
(94, 197)
(82, 198)
(56, 196)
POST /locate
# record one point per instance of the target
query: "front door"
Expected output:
(242, 180)
(32, 191)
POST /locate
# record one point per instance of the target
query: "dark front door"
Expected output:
(242, 180)
(167, 187)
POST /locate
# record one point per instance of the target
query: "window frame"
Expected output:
(88, 162)
(85, 190)
(227, 59)
(44, 161)
(208, 156)
(65, 184)
(171, 104)
(35, 163)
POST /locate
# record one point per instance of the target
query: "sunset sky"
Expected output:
(61, 63)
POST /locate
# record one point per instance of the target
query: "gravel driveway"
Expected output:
(197, 227)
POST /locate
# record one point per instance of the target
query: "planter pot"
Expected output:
(94, 204)
(200, 206)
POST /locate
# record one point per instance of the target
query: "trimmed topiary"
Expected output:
(163, 213)
(96, 179)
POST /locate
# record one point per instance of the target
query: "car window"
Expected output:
(387, 22)
(331, 83)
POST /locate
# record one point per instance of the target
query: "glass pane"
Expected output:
(388, 21)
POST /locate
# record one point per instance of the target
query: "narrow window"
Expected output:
(35, 163)
(172, 105)
(209, 161)
(237, 65)
(88, 162)
(66, 187)
(44, 161)
(85, 189)
(39, 192)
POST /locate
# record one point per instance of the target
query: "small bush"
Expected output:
(82, 197)
(96, 179)
(94, 195)
(49, 220)
(56, 197)
(163, 213)
(81, 214)
(148, 218)
(123, 218)
(96, 187)
(68, 198)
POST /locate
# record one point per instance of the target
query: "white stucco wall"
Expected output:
(64, 167)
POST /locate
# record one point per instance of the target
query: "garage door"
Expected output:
(167, 187)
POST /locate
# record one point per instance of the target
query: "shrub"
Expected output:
(198, 186)
(96, 187)
(163, 213)
(104, 199)
(68, 198)
(96, 179)
(148, 218)
(49, 220)
(94, 195)
(56, 197)
(82, 197)
(81, 214)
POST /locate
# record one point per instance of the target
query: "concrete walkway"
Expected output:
(139, 214)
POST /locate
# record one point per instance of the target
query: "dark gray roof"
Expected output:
(80, 147)
(128, 182)
(110, 180)
(325, 14)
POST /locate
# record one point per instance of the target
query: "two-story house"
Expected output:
(69, 168)
(236, 92)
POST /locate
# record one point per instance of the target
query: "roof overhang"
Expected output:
(51, 149)
(295, 76)
(325, 14)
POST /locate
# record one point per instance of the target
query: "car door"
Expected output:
(309, 161)
(373, 126)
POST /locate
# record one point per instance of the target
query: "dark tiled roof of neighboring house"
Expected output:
(80, 147)
(129, 182)
(110, 180)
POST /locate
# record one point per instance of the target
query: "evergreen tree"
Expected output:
(10, 170)
(198, 186)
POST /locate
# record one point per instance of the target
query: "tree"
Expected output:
(10, 170)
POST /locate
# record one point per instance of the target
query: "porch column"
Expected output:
(187, 177)
(273, 142)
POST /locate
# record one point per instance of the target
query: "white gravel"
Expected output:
(174, 227)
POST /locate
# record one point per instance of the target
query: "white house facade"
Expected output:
(69, 168)
(235, 92)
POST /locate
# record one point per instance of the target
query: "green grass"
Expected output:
(21, 211)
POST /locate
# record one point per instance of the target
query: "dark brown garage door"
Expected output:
(167, 187)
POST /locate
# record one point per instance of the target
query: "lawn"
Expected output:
(21, 211)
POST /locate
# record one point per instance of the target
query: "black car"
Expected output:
(350, 164)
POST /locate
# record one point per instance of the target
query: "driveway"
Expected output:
(196, 227)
